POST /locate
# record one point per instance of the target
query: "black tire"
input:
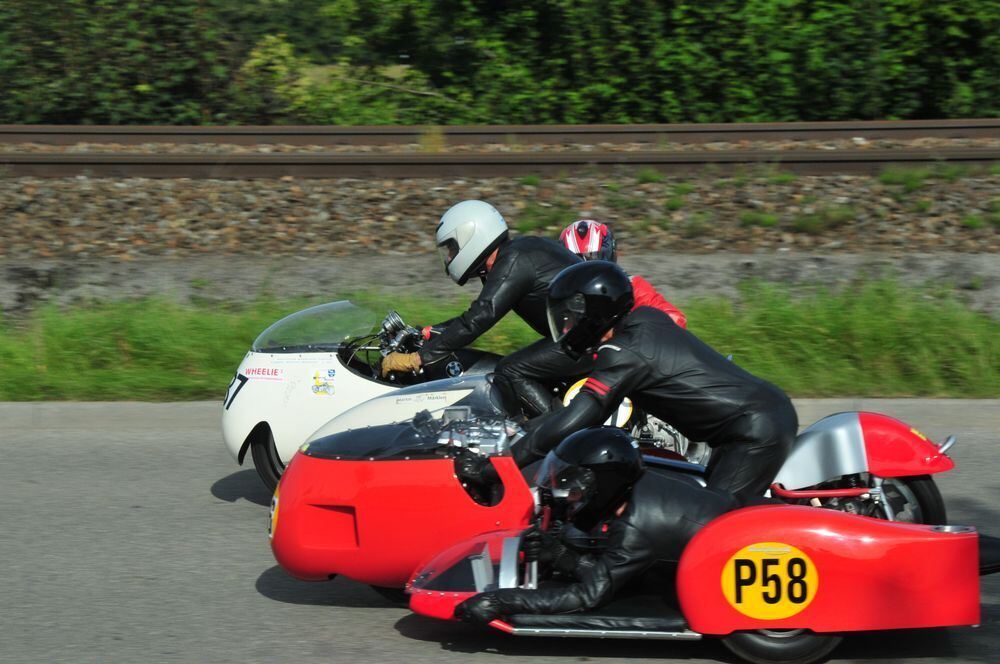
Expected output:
(776, 647)
(266, 459)
(925, 490)
(397, 596)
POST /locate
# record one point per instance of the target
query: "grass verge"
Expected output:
(874, 339)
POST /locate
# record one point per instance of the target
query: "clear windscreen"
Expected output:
(471, 566)
(321, 328)
(477, 394)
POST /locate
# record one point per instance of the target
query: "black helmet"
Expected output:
(585, 301)
(590, 473)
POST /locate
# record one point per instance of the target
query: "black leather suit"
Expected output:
(519, 281)
(672, 375)
(662, 515)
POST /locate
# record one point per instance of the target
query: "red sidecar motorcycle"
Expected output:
(777, 583)
(373, 503)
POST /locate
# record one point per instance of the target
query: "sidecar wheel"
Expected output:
(795, 646)
(266, 459)
(397, 596)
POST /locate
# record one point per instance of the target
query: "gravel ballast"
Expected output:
(128, 218)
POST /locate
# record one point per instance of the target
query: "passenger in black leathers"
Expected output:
(671, 374)
(661, 514)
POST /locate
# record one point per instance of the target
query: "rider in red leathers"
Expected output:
(592, 240)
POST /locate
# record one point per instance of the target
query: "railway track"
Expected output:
(516, 134)
(418, 165)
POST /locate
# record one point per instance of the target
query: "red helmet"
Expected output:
(591, 240)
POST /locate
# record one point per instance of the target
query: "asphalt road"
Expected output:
(128, 534)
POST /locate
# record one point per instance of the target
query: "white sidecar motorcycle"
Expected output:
(314, 365)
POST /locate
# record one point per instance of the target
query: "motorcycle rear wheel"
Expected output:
(798, 646)
(266, 460)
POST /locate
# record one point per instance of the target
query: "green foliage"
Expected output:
(875, 339)
(755, 218)
(530, 180)
(446, 62)
(269, 86)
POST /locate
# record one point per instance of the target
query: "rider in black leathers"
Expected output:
(670, 374)
(661, 513)
(518, 280)
(472, 237)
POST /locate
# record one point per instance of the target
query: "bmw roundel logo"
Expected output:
(454, 368)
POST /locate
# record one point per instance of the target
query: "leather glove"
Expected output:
(474, 469)
(479, 609)
(400, 362)
(538, 545)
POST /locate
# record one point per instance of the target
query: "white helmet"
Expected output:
(468, 233)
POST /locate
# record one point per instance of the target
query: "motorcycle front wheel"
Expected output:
(915, 500)
(794, 646)
(266, 460)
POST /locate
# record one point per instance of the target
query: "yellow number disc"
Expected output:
(769, 581)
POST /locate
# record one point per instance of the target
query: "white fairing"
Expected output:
(832, 447)
(294, 393)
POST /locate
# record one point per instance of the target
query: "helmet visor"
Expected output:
(448, 250)
(565, 315)
(569, 485)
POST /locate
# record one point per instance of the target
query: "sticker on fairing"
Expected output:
(918, 435)
(322, 382)
(769, 581)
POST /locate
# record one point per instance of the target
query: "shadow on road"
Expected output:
(276, 584)
(874, 646)
(457, 637)
(243, 484)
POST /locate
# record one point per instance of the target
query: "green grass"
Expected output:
(781, 178)
(683, 189)
(674, 203)
(875, 339)
(648, 176)
(755, 218)
(530, 180)
(696, 226)
(538, 217)
(973, 221)
(823, 219)
(624, 203)
(910, 179)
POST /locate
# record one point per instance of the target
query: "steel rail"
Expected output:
(420, 165)
(513, 134)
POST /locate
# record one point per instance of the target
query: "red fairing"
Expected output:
(376, 521)
(647, 296)
(440, 605)
(845, 573)
(895, 449)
